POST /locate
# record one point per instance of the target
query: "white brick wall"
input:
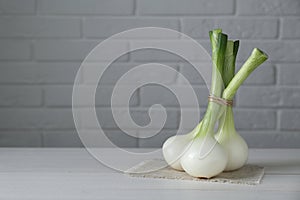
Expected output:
(43, 42)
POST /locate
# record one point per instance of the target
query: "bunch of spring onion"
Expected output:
(205, 152)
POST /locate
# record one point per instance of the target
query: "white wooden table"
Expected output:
(74, 174)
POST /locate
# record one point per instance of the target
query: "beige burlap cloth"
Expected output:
(249, 174)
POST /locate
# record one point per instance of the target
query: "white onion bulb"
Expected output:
(236, 148)
(204, 158)
(174, 147)
(232, 142)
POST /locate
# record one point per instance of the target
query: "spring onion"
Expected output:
(175, 146)
(202, 153)
(206, 157)
(227, 135)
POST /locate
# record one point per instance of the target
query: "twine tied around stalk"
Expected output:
(219, 100)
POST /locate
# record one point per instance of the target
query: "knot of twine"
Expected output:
(220, 100)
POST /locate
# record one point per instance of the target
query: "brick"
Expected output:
(290, 28)
(271, 139)
(17, 6)
(58, 96)
(15, 50)
(190, 7)
(116, 70)
(89, 7)
(36, 118)
(121, 139)
(106, 27)
(62, 96)
(60, 118)
(58, 72)
(258, 97)
(61, 139)
(153, 94)
(235, 27)
(32, 26)
(154, 51)
(191, 74)
(153, 55)
(289, 120)
(72, 50)
(268, 7)
(255, 119)
(277, 50)
(288, 74)
(19, 72)
(20, 139)
(20, 118)
(14, 96)
(269, 97)
(109, 139)
(205, 44)
(104, 96)
(66, 50)
(42, 72)
(139, 116)
(155, 141)
(190, 118)
(263, 75)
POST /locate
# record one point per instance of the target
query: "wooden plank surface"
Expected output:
(74, 174)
